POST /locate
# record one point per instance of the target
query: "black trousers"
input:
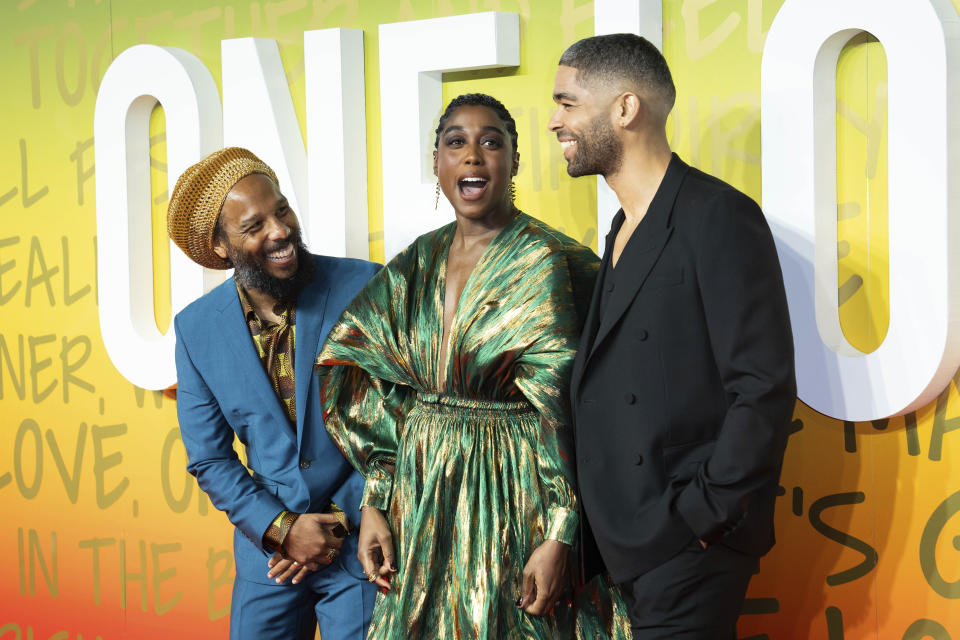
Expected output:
(696, 595)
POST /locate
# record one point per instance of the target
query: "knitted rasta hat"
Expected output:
(198, 198)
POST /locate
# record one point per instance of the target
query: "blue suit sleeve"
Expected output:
(208, 439)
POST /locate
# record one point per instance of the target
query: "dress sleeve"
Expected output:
(362, 414)
(365, 381)
(543, 376)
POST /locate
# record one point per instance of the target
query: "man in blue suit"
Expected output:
(245, 354)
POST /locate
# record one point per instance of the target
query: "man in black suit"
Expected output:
(683, 387)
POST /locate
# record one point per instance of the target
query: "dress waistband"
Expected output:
(473, 403)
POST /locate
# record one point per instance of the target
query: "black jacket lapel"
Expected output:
(638, 260)
(592, 322)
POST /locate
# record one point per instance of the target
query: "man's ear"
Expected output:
(629, 110)
(218, 247)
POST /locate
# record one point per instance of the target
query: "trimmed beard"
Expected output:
(599, 151)
(249, 273)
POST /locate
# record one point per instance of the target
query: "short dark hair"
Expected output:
(478, 100)
(622, 56)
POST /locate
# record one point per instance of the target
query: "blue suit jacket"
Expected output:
(222, 390)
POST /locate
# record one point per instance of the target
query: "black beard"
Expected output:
(249, 273)
(599, 152)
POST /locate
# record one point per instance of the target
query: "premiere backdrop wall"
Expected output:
(105, 535)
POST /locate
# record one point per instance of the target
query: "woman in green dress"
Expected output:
(445, 384)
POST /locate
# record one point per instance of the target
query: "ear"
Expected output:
(628, 110)
(219, 249)
(435, 163)
(516, 164)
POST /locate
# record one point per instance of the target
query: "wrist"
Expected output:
(557, 544)
(286, 525)
(278, 530)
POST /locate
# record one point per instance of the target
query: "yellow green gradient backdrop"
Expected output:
(105, 535)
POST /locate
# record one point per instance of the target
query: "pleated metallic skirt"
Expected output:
(468, 508)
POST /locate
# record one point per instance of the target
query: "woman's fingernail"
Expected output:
(278, 580)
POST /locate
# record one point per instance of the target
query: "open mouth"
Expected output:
(472, 188)
(283, 254)
(569, 147)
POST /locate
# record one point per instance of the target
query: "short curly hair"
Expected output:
(478, 100)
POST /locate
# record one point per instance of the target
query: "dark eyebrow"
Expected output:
(557, 97)
(456, 127)
(249, 220)
(254, 217)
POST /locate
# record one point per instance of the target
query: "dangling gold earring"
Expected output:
(436, 201)
(512, 192)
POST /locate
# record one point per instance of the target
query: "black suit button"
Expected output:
(629, 398)
(609, 287)
(642, 335)
(639, 459)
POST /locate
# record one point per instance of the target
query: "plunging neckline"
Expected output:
(443, 364)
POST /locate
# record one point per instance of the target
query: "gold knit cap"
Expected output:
(198, 197)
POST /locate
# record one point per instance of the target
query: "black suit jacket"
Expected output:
(684, 389)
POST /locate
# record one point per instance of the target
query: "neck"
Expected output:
(263, 304)
(473, 231)
(644, 164)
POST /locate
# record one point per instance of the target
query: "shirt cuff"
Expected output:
(377, 490)
(271, 538)
(563, 525)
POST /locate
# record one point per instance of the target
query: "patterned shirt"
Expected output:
(275, 344)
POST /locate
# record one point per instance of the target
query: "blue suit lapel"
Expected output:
(234, 336)
(311, 305)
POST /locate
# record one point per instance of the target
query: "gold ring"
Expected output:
(372, 576)
(331, 554)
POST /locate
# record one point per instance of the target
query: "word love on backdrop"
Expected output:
(916, 359)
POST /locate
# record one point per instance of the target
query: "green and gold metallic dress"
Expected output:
(482, 469)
